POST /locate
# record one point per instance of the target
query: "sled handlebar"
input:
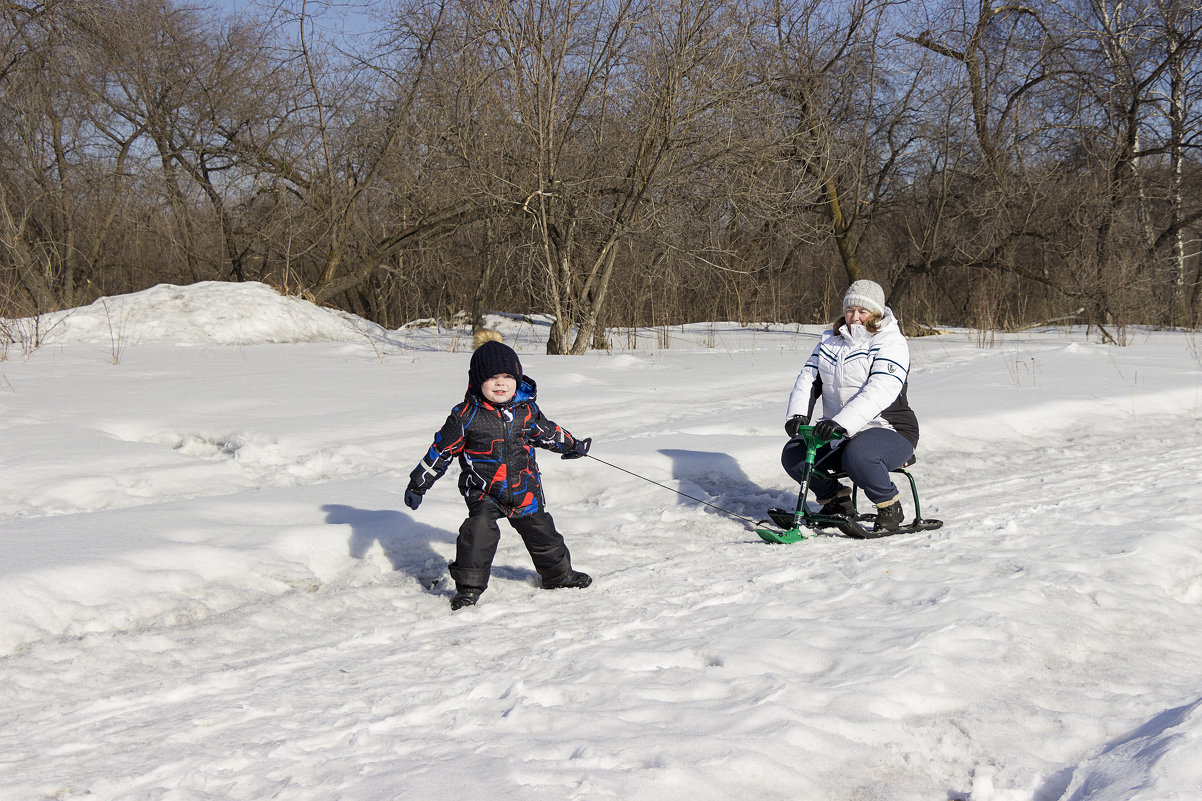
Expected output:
(812, 441)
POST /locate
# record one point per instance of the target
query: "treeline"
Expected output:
(611, 162)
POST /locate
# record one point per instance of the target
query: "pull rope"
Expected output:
(672, 489)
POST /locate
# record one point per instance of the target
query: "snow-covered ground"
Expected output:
(210, 587)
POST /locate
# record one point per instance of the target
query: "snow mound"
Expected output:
(207, 313)
(1159, 762)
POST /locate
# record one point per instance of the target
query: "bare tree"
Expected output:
(1179, 24)
(995, 51)
(596, 108)
(824, 64)
(1126, 57)
(626, 162)
(45, 111)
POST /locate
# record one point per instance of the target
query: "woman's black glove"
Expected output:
(794, 423)
(579, 449)
(829, 429)
(413, 497)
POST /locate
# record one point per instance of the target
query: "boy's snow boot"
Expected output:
(888, 517)
(573, 579)
(839, 505)
(465, 596)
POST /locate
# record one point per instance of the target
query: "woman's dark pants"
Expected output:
(867, 459)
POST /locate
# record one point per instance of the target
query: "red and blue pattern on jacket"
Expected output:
(495, 446)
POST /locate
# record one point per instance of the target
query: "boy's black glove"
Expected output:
(413, 497)
(829, 429)
(795, 422)
(579, 449)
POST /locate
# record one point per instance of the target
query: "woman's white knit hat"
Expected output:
(867, 295)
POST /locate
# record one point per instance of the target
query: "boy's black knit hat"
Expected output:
(492, 358)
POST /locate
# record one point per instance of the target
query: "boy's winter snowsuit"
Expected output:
(495, 445)
(862, 380)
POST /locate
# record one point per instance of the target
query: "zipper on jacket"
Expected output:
(505, 451)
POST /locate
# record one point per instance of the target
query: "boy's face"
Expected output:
(499, 388)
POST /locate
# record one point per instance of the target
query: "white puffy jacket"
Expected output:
(862, 378)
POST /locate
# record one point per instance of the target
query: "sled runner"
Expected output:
(783, 526)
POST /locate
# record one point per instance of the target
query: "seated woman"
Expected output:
(860, 369)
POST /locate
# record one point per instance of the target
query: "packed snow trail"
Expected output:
(640, 687)
(210, 587)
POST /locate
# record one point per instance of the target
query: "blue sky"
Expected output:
(349, 15)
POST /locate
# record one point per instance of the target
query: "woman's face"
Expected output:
(856, 315)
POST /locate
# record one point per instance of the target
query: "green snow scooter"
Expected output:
(787, 527)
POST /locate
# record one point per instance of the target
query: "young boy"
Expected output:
(494, 432)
